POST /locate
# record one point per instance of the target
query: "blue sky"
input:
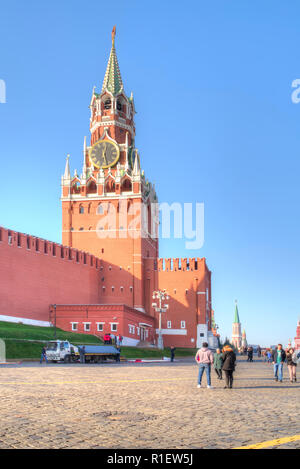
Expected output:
(215, 124)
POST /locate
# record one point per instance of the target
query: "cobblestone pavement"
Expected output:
(143, 406)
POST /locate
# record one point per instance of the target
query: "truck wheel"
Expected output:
(67, 359)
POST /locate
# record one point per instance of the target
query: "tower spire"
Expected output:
(236, 314)
(112, 79)
(67, 174)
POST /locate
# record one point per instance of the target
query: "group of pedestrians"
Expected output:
(111, 339)
(224, 361)
(279, 356)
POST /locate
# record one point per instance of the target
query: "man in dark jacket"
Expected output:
(279, 357)
(82, 353)
(250, 354)
(44, 355)
(172, 350)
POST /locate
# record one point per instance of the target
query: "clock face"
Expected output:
(104, 154)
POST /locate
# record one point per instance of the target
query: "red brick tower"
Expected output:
(236, 338)
(106, 210)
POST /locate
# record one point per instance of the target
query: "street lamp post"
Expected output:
(54, 322)
(160, 295)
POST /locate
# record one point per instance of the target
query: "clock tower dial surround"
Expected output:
(104, 154)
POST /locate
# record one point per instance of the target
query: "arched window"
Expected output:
(119, 105)
(126, 185)
(100, 209)
(75, 187)
(91, 187)
(81, 209)
(107, 103)
(110, 186)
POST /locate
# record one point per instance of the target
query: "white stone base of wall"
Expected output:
(129, 341)
(30, 322)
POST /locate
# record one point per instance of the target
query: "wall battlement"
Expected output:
(44, 247)
(183, 265)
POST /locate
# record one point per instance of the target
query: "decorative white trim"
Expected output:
(112, 122)
(172, 331)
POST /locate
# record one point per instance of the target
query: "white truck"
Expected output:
(62, 350)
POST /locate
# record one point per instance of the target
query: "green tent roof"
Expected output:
(236, 315)
(112, 79)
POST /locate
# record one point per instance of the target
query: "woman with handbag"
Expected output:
(291, 363)
(229, 359)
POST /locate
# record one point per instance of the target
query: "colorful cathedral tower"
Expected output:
(236, 338)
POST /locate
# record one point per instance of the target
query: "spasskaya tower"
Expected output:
(107, 209)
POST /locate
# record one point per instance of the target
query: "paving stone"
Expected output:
(157, 406)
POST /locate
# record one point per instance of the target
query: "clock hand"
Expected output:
(104, 155)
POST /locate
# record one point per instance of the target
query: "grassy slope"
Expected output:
(23, 331)
(27, 346)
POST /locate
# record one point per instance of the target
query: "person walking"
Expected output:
(44, 355)
(82, 354)
(291, 360)
(218, 363)
(250, 354)
(258, 351)
(118, 359)
(229, 359)
(278, 357)
(269, 356)
(172, 349)
(120, 339)
(205, 358)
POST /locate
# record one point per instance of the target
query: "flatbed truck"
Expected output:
(64, 351)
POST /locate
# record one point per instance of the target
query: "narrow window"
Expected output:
(107, 104)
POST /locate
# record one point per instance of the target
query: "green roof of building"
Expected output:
(112, 79)
(236, 315)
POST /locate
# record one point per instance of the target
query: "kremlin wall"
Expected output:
(94, 297)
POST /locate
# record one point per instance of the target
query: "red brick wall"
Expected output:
(183, 279)
(31, 277)
(122, 315)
